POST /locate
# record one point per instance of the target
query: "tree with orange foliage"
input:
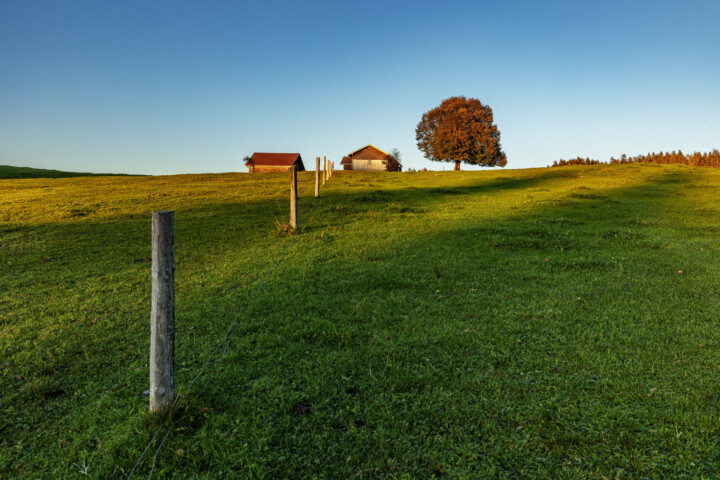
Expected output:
(460, 130)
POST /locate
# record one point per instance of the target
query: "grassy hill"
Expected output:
(9, 172)
(544, 323)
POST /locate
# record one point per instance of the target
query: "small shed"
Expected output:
(274, 162)
(368, 157)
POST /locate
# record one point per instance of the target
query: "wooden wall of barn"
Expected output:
(374, 165)
(267, 169)
(274, 168)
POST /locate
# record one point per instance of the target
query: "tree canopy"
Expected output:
(460, 130)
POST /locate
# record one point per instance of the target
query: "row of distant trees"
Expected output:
(697, 159)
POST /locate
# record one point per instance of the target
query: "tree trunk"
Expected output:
(457, 165)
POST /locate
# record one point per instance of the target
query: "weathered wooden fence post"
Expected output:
(317, 177)
(162, 312)
(293, 198)
(324, 170)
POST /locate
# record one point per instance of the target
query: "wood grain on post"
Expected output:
(162, 312)
(293, 198)
(317, 176)
(324, 170)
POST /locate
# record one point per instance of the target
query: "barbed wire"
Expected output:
(158, 450)
(226, 341)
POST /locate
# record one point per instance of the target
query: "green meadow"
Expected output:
(541, 323)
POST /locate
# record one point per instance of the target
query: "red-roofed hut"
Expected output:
(274, 162)
(368, 157)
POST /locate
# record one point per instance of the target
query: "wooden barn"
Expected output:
(368, 157)
(274, 162)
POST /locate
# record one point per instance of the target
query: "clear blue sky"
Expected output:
(173, 87)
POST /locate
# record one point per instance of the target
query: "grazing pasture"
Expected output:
(542, 323)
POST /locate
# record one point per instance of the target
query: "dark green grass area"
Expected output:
(506, 324)
(10, 172)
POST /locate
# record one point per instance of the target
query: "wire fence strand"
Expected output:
(224, 341)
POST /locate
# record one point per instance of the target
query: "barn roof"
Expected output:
(363, 148)
(346, 161)
(274, 159)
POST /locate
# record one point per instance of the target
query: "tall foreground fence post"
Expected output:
(293, 198)
(317, 176)
(324, 170)
(162, 312)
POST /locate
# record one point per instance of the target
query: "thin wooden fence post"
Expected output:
(317, 177)
(162, 312)
(293, 198)
(324, 170)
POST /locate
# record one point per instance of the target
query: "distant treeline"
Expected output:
(14, 173)
(696, 159)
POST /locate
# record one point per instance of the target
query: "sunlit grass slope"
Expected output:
(547, 323)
